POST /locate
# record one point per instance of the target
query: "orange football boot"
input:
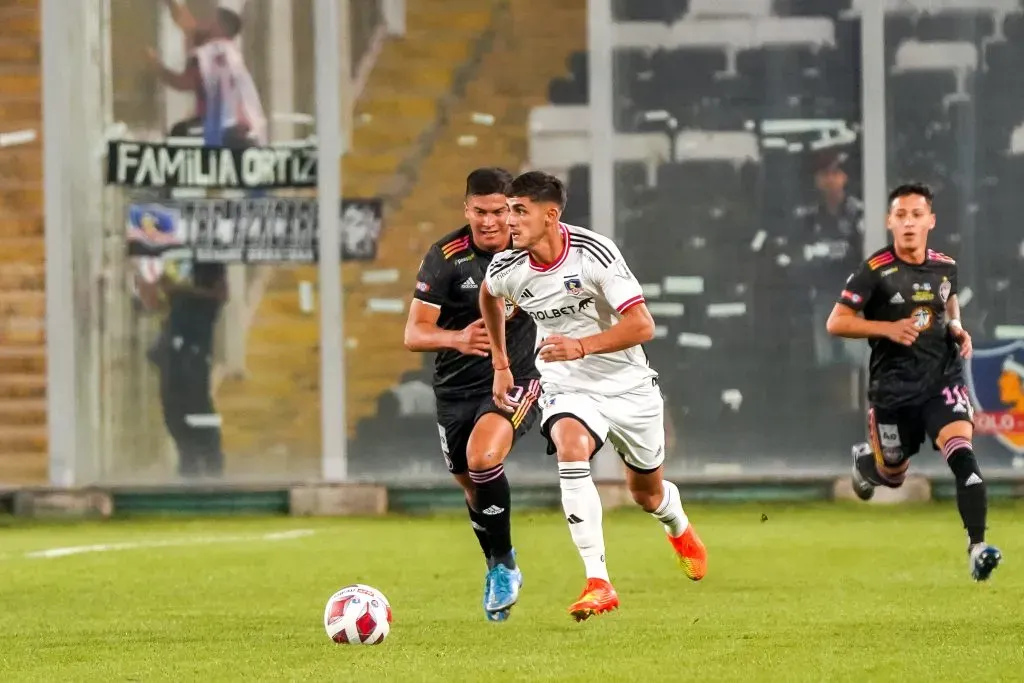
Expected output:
(692, 555)
(596, 598)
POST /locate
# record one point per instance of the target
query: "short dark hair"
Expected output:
(909, 189)
(230, 22)
(485, 181)
(539, 187)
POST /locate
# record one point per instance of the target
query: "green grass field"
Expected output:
(822, 592)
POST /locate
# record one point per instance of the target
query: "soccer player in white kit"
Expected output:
(597, 383)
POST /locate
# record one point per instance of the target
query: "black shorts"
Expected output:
(456, 420)
(897, 434)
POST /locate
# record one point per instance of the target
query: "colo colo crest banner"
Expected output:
(253, 230)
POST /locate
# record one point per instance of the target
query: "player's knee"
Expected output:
(489, 443)
(574, 450)
(484, 459)
(572, 440)
(574, 446)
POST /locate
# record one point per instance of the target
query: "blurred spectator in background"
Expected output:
(194, 295)
(832, 238)
(228, 105)
(228, 113)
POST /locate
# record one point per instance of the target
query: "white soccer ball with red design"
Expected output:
(358, 615)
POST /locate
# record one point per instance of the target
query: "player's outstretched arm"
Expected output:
(844, 322)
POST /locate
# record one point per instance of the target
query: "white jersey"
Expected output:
(583, 293)
(227, 80)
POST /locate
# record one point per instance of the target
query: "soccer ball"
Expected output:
(358, 615)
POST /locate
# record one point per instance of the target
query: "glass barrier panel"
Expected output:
(954, 121)
(738, 205)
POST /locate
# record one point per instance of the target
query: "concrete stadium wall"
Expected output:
(373, 500)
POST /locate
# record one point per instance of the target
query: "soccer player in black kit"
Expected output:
(477, 435)
(907, 295)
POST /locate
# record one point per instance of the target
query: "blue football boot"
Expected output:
(492, 616)
(503, 588)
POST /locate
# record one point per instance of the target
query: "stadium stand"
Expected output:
(538, 37)
(717, 106)
(712, 97)
(397, 105)
(396, 114)
(23, 437)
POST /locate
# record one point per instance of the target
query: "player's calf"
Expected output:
(971, 497)
(971, 493)
(661, 499)
(581, 502)
(493, 501)
(476, 520)
(574, 444)
(892, 475)
(489, 445)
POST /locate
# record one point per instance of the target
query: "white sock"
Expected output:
(670, 512)
(582, 506)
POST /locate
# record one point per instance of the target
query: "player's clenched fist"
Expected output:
(904, 331)
(473, 340)
(557, 347)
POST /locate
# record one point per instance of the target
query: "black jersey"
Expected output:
(450, 277)
(886, 288)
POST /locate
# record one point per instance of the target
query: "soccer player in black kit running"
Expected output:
(907, 294)
(477, 435)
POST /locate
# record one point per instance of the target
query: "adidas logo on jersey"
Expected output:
(972, 480)
(573, 519)
(469, 284)
(897, 298)
(527, 294)
(493, 510)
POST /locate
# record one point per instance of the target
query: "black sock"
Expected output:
(478, 522)
(494, 499)
(971, 494)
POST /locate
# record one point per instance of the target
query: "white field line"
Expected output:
(52, 553)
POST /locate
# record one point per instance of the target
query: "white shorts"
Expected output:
(633, 422)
